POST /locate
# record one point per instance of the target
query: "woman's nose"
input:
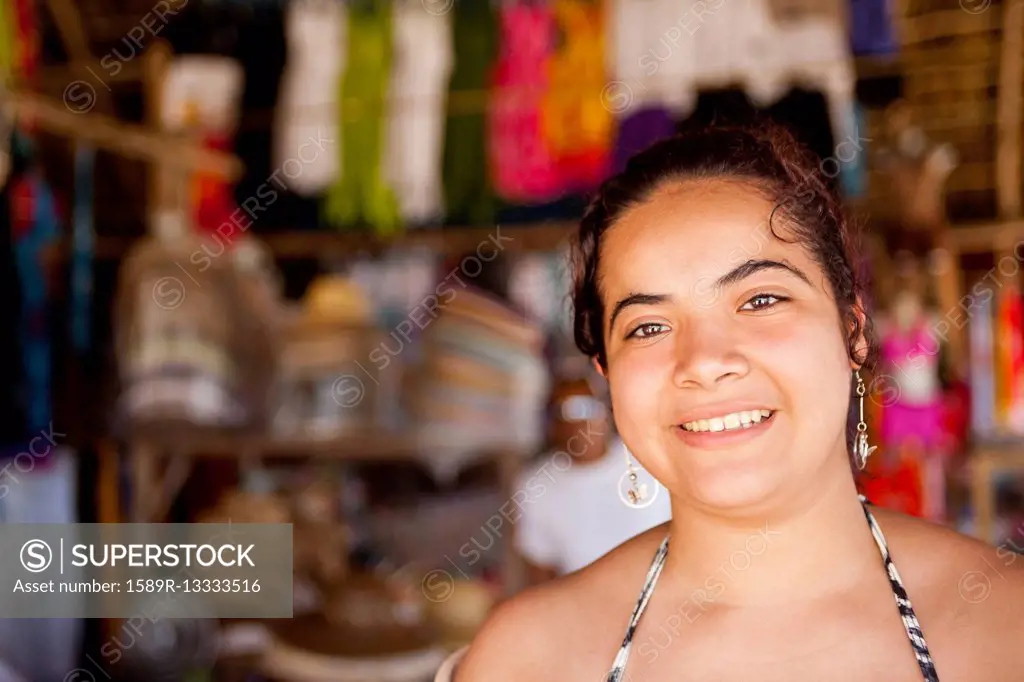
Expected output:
(706, 356)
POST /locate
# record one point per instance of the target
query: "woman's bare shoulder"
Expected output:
(936, 551)
(566, 627)
(959, 584)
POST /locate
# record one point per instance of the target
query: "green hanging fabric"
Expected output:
(468, 191)
(361, 195)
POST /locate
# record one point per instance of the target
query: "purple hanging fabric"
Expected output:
(639, 131)
(871, 27)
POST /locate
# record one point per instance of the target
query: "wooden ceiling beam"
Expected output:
(126, 140)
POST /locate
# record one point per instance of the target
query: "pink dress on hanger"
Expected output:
(523, 167)
(912, 361)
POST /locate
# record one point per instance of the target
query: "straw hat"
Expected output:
(336, 300)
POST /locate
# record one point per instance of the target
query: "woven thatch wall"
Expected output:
(949, 67)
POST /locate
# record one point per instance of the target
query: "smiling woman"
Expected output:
(716, 288)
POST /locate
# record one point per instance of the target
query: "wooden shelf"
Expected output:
(988, 236)
(967, 238)
(366, 446)
(328, 244)
(162, 458)
(987, 460)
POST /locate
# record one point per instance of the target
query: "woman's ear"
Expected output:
(597, 366)
(858, 326)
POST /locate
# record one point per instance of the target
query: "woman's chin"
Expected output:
(735, 491)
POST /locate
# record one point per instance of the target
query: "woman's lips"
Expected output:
(723, 439)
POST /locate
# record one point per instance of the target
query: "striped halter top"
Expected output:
(910, 622)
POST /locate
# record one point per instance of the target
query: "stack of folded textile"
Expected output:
(482, 383)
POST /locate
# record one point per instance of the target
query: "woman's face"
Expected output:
(710, 324)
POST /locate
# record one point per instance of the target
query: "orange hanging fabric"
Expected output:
(578, 127)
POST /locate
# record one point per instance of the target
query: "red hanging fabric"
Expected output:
(213, 198)
(22, 206)
(27, 51)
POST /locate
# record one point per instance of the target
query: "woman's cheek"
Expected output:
(641, 370)
(636, 380)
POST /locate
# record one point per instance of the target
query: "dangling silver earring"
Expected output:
(637, 492)
(861, 449)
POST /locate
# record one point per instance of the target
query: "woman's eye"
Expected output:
(647, 330)
(762, 302)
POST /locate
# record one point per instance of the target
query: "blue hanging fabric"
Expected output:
(82, 249)
(871, 28)
(854, 176)
(34, 218)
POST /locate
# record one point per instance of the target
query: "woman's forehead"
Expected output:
(694, 231)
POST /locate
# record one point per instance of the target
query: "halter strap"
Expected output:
(910, 623)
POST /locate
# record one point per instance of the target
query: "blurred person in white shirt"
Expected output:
(573, 510)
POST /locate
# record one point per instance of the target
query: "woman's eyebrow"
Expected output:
(636, 299)
(753, 266)
(738, 273)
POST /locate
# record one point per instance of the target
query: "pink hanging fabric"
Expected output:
(523, 167)
(910, 420)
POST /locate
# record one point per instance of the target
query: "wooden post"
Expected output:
(1009, 118)
(142, 456)
(948, 280)
(514, 572)
(157, 60)
(109, 482)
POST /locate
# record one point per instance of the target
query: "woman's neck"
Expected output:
(811, 543)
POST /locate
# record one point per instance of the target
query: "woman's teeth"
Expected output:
(729, 422)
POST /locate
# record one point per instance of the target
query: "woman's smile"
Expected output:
(727, 430)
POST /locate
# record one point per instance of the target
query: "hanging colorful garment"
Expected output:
(468, 187)
(1010, 362)
(34, 223)
(641, 130)
(82, 245)
(213, 198)
(810, 52)
(871, 27)
(895, 485)
(523, 165)
(361, 194)
(912, 357)
(419, 78)
(201, 93)
(651, 54)
(981, 335)
(28, 42)
(307, 115)
(8, 38)
(19, 50)
(578, 126)
(854, 175)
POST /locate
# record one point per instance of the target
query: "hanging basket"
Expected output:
(194, 348)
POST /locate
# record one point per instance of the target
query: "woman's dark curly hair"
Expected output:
(766, 156)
